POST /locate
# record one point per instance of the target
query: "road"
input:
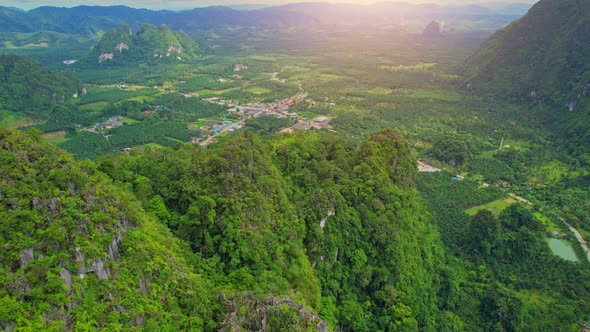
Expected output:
(581, 240)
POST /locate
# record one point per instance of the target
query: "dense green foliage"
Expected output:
(150, 44)
(80, 253)
(293, 231)
(505, 279)
(541, 59)
(343, 204)
(26, 86)
(250, 213)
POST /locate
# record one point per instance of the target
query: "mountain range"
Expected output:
(90, 20)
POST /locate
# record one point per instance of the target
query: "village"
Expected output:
(278, 109)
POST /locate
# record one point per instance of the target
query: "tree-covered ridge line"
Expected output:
(123, 46)
(249, 231)
(541, 60)
(28, 87)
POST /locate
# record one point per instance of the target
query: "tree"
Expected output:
(484, 231)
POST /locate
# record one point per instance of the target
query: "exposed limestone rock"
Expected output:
(100, 270)
(258, 313)
(571, 105)
(142, 285)
(323, 221)
(66, 276)
(7, 327)
(176, 49)
(104, 57)
(113, 251)
(122, 46)
(26, 256)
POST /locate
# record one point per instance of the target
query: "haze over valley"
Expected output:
(349, 166)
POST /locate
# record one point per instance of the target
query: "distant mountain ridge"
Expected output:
(150, 43)
(94, 19)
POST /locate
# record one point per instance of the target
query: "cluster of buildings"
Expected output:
(207, 136)
(113, 122)
(277, 109)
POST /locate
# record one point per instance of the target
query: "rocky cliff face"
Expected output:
(76, 250)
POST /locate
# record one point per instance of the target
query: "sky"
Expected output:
(184, 4)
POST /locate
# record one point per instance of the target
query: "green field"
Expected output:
(56, 137)
(94, 107)
(10, 119)
(496, 207)
(259, 90)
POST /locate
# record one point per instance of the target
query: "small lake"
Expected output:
(563, 249)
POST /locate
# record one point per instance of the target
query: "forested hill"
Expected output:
(543, 56)
(542, 59)
(308, 232)
(123, 46)
(80, 253)
(26, 86)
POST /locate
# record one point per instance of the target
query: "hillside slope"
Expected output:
(150, 44)
(79, 253)
(542, 59)
(337, 223)
(543, 56)
(28, 87)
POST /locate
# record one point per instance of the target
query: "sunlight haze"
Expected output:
(184, 4)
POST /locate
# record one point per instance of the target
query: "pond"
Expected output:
(563, 249)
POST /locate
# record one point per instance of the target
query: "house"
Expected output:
(211, 123)
(113, 122)
(321, 121)
(148, 112)
(301, 126)
(240, 66)
(205, 132)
